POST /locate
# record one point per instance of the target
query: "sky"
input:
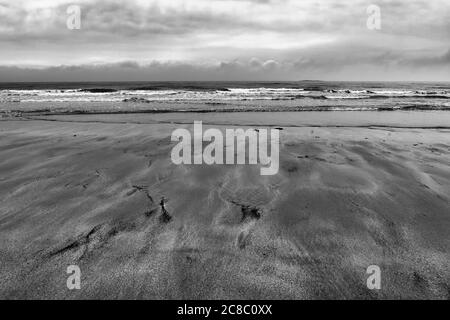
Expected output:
(224, 40)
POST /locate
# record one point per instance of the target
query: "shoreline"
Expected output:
(356, 119)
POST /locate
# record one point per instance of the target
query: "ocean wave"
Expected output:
(98, 90)
(224, 97)
(427, 96)
(222, 93)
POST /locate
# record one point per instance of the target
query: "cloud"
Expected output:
(218, 36)
(105, 18)
(315, 66)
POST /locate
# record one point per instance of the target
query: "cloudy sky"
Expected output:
(224, 40)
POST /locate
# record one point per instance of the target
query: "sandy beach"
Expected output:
(78, 191)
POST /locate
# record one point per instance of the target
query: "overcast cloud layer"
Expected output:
(224, 40)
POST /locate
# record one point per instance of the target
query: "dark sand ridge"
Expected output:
(345, 198)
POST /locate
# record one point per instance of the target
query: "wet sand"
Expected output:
(88, 193)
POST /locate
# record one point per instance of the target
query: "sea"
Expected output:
(18, 99)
